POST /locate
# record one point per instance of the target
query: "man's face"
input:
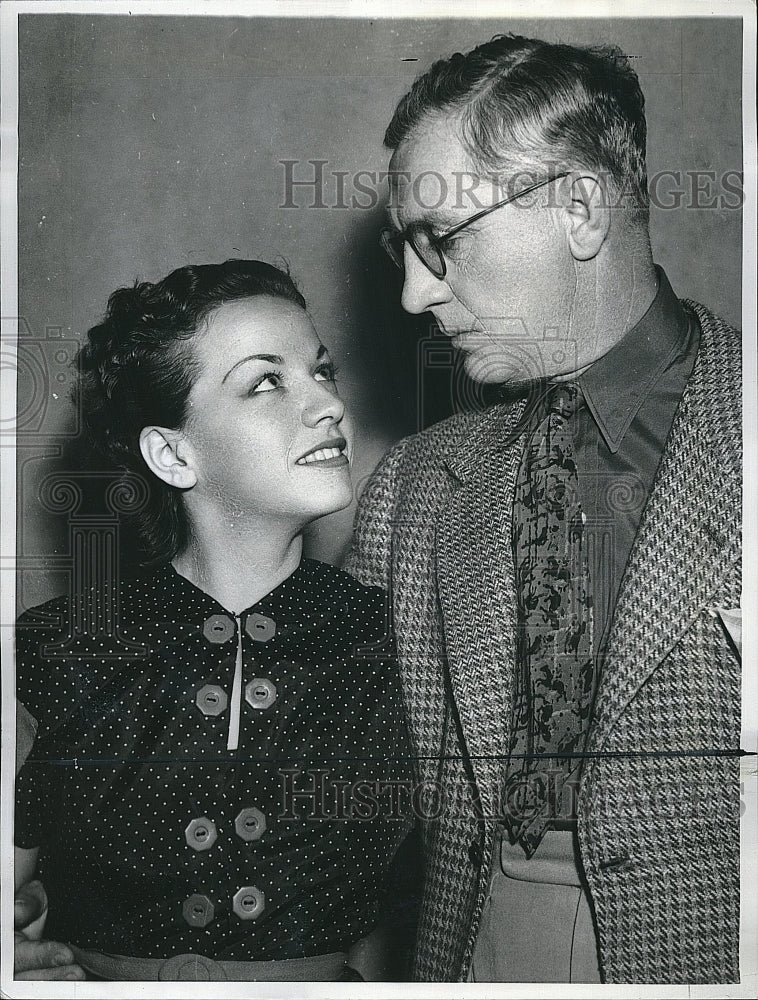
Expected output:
(507, 300)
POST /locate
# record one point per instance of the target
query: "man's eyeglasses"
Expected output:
(428, 248)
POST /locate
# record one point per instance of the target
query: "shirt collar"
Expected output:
(617, 384)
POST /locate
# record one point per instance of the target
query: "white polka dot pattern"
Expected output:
(125, 760)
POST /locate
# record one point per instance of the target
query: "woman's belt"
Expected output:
(198, 968)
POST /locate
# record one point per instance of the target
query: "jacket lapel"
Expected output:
(475, 581)
(687, 540)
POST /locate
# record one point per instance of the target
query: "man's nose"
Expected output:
(421, 290)
(322, 404)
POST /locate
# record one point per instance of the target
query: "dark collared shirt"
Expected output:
(625, 408)
(630, 398)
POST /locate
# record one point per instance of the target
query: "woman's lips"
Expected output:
(327, 455)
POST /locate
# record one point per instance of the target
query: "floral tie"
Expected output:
(555, 645)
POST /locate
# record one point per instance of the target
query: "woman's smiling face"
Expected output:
(266, 432)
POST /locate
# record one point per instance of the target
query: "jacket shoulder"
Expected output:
(716, 382)
(719, 337)
(709, 317)
(426, 450)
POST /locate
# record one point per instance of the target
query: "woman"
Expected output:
(192, 800)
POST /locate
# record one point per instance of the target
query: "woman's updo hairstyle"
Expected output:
(137, 368)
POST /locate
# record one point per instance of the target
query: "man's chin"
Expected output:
(491, 370)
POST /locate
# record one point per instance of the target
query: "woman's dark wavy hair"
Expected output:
(137, 368)
(523, 102)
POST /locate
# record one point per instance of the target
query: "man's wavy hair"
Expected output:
(526, 104)
(137, 368)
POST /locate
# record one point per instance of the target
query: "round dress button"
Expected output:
(191, 969)
(211, 699)
(198, 910)
(260, 693)
(250, 824)
(259, 627)
(248, 902)
(201, 834)
(218, 628)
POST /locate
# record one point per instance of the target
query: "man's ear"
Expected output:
(589, 214)
(165, 456)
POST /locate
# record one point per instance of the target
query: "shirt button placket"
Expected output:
(260, 692)
(250, 824)
(200, 834)
(211, 699)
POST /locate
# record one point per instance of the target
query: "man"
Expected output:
(564, 565)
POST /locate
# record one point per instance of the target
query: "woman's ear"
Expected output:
(163, 451)
(589, 214)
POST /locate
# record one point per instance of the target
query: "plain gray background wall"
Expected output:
(147, 143)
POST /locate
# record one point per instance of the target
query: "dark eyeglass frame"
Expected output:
(393, 242)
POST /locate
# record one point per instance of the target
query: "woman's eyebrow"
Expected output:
(272, 359)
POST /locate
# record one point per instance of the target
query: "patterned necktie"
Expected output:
(554, 691)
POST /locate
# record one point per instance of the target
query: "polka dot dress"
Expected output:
(162, 831)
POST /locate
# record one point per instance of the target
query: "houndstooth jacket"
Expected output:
(659, 799)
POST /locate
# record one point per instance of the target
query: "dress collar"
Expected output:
(286, 602)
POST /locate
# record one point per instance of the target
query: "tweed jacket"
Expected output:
(658, 812)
